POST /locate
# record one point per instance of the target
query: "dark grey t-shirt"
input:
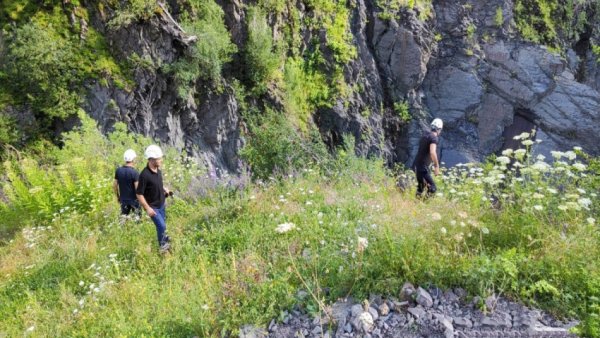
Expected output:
(126, 177)
(423, 158)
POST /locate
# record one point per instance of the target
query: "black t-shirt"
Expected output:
(151, 186)
(126, 177)
(423, 158)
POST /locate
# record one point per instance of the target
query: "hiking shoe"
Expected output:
(164, 248)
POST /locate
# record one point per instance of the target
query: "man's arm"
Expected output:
(116, 188)
(434, 159)
(145, 205)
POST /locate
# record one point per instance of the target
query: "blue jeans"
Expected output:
(160, 220)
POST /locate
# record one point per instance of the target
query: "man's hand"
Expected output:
(436, 171)
(151, 212)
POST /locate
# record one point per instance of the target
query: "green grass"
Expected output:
(86, 272)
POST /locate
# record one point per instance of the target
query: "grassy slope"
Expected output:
(231, 267)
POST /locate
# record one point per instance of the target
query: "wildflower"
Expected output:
(485, 230)
(540, 157)
(309, 202)
(363, 243)
(507, 152)
(443, 230)
(552, 190)
(573, 205)
(205, 307)
(30, 329)
(563, 207)
(570, 155)
(579, 166)
(538, 196)
(591, 220)
(503, 160)
(538, 207)
(585, 202)
(557, 154)
(519, 153)
(527, 143)
(453, 222)
(436, 216)
(285, 227)
(522, 136)
(81, 283)
(540, 166)
(577, 148)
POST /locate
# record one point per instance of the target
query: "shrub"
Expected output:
(261, 55)
(205, 58)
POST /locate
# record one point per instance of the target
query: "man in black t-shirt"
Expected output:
(151, 194)
(427, 154)
(126, 181)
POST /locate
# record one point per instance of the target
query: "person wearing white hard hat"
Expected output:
(151, 194)
(426, 155)
(125, 184)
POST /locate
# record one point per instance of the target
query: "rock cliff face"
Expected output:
(460, 64)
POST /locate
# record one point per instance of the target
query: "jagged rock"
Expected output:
(363, 322)
(384, 309)
(249, 331)
(497, 320)
(462, 322)
(417, 311)
(423, 298)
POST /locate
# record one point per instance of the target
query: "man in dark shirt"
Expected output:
(151, 194)
(126, 181)
(427, 154)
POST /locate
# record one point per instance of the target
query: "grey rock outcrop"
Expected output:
(459, 64)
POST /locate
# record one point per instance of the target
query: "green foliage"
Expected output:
(204, 60)
(402, 110)
(9, 133)
(596, 51)
(499, 17)
(133, 10)
(390, 8)
(261, 55)
(305, 89)
(275, 147)
(548, 21)
(45, 63)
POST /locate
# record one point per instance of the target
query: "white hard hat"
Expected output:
(129, 155)
(153, 151)
(437, 124)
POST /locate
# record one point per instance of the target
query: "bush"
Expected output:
(262, 58)
(275, 148)
(205, 58)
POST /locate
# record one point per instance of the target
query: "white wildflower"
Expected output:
(527, 143)
(591, 220)
(577, 148)
(540, 157)
(557, 154)
(519, 153)
(436, 216)
(507, 152)
(570, 155)
(485, 230)
(285, 227)
(30, 329)
(540, 166)
(579, 166)
(443, 230)
(503, 160)
(585, 202)
(538, 207)
(552, 190)
(563, 207)
(205, 307)
(81, 283)
(538, 196)
(363, 243)
(573, 205)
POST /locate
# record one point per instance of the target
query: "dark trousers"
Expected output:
(130, 206)
(424, 180)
